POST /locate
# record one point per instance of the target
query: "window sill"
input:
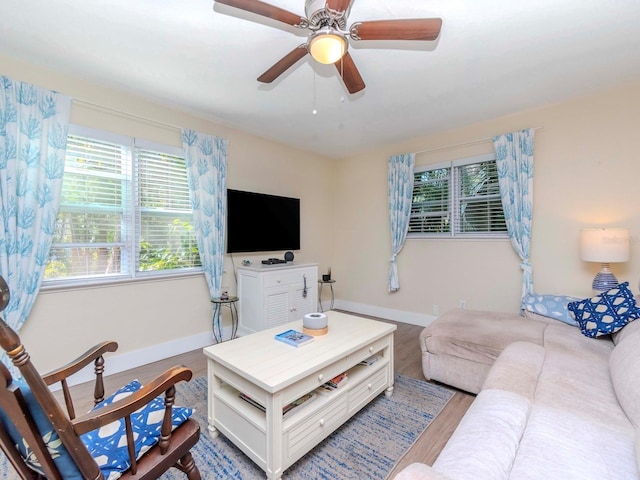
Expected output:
(84, 284)
(474, 238)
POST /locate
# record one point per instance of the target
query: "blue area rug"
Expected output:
(366, 447)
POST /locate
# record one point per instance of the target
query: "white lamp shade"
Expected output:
(604, 245)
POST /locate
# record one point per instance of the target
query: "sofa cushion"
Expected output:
(625, 332)
(565, 444)
(606, 313)
(478, 336)
(486, 440)
(624, 365)
(577, 367)
(420, 471)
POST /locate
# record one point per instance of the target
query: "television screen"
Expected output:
(257, 222)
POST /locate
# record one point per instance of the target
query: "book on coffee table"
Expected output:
(293, 337)
(287, 410)
(290, 408)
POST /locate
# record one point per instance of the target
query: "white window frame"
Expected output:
(130, 245)
(453, 214)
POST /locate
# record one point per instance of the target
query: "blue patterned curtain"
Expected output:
(33, 141)
(400, 194)
(514, 160)
(206, 159)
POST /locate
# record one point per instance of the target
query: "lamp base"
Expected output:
(604, 280)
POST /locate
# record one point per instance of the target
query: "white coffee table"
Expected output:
(274, 374)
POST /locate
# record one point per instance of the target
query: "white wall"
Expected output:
(586, 172)
(172, 314)
(586, 175)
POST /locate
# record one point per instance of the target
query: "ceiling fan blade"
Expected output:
(350, 74)
(266, 10)
(403, 29)
(283, 64)
(339, 5)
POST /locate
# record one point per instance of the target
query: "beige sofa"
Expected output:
(553, 405)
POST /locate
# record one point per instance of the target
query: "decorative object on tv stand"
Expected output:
(315, 324)
(604, 245)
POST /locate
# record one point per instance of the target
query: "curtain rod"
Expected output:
(125, 114)
(462, 144)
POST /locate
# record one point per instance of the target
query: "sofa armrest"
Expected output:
(517, 369)
(420, 471)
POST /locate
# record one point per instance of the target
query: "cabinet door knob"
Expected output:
(369, 386)
(371, 349)
(321, 422)
(320, 377)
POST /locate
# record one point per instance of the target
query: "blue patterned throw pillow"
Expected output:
(552, 306)
(605, 313)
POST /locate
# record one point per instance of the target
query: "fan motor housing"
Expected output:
(320, 16)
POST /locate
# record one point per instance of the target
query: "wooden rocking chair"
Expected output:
(35, 457)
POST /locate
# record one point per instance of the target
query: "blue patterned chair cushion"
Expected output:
(107, 445)
(61, 457)
(605, 313)
(552, 306)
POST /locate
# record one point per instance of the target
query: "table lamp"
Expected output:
(604, 245)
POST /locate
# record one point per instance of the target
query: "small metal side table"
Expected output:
(216, 324)
(322, 283)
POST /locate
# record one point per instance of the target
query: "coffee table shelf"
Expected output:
(279, 374)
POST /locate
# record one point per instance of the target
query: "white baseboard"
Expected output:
(411, 318)
(116, 363)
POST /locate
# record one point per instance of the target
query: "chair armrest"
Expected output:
(126, 406)
(61, 374)
(79, 363)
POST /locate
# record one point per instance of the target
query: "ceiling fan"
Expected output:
(329, 38)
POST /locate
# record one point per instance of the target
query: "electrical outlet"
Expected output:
(436, 310)
(462, 304)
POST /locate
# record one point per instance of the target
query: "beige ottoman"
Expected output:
(459, 347)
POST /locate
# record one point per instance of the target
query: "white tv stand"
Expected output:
(272, 295)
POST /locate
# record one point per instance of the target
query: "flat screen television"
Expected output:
(257, 222)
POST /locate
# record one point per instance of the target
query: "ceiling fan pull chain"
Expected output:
(342, 76)
(314, 111)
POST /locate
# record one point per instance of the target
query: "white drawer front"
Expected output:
(294, 277)
(301, 438)
(315, 380)
(369, 350)
(360, 395)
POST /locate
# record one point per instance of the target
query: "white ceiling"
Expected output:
(493, 57)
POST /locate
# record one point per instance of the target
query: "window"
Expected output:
(124, 211)
(457, 199)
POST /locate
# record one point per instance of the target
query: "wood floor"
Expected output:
(407, 357)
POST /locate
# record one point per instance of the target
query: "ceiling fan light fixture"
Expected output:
(327, 45)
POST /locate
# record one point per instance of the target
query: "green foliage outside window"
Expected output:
(457, 200)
